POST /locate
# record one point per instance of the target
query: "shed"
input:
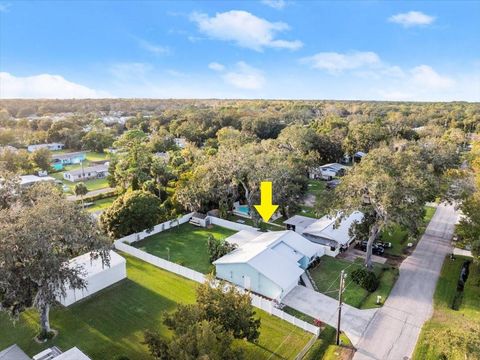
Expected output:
(199, 219)
(98, 277)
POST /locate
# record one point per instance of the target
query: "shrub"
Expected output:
(366, 279)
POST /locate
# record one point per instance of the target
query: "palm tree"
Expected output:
(80, 189)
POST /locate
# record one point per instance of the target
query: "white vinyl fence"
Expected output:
(257, 301)
(130, 239)
(230, 224)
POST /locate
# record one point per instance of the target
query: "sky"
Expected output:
(273, 49)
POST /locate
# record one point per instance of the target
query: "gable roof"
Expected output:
(325, 228)
(13, 353)
(299, 220)
(242, 237)
(273, 254)
(68, 155)
(96, 168)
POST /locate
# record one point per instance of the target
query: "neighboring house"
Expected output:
(358, 156)
(327, 171)
(55, 353)
(326, 232)
(60, 160)
(51, 147)
(28, 180)
(163, 155)
(97, 275)
(92, 172)
(180, 142)
(269, 264)
(298, 223)
(13, 353)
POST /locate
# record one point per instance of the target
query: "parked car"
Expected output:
(376, 248)
(385, 245)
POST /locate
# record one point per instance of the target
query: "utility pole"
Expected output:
(340, 293)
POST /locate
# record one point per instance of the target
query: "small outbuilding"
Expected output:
(97, 275)
(199, 219)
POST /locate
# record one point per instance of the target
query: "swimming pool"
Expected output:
(244, 209)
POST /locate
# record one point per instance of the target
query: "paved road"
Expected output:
(394, 329)
(325, 308)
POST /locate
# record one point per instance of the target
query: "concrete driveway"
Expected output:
(393, 332)
(325, 308)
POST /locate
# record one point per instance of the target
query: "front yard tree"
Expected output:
(41, 158)
(132, 212)
(390, 186)
(81, 190)
(39, 234)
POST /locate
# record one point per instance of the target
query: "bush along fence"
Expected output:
(266, 305)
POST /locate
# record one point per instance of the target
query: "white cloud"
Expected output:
(44, 86)
(335, 63)
(412, 18)
(153, 48)
(425, 76)
(4, 7)
(276, 4)
(216, 66)
(130, 71)
(244, 29)
(244, 76)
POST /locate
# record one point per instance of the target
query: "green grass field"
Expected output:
(187, 244)
(111, 323)
(398, 236)
(326, 277)
(453, 334)
(101, 204)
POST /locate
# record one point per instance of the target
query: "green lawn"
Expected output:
(326, 277)
(399, 237)
(316, 187)
(111, 323)
(187, 244)
(102, 204)
(453, 334)
(326, 349)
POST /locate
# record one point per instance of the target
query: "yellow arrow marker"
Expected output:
(266, 209)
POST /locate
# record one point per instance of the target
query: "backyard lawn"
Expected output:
(111, 323)
(326, 277)
(453, 334)
(185, 245)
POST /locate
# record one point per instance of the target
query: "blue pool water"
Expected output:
(244, 209)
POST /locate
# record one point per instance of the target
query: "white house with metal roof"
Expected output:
(326, 231)
(269, 264)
